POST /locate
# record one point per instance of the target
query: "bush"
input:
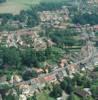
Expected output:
(29, 74)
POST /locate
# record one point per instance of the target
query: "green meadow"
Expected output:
(15, 6)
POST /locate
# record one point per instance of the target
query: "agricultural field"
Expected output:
(15, 6)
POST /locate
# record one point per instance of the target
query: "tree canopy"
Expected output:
(1, 1)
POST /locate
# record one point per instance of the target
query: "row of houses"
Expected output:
(16, 38)
(60, 15)
(56, 18)
(28, 88)
(16, 24)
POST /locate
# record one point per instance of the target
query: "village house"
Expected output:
(61, 74)
(94, 75)
(14, 38)
(38, 70)
(50, 43)
(95, 28)
(0, 21)
(11, 41)
(39, 44)
(82, 93)
(13, 23)
(25, 88)
(37, 84)
(92, 1)
(56, 19)
(3, 79)
(72, 68)
(15, 79)
(63, 62)
(59, 98)
(88, 90)
(22, 97)
(50, 78)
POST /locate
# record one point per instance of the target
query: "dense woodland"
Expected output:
(64, 37)
(86, 18)
(27, 57)
(1, 1)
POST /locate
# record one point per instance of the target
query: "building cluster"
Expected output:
(37, 84)
(23, 38)
(57, 74)
(15, 24)
(92, 1)
(29, 87)
(55, 18)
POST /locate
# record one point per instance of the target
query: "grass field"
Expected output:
(15, 6)
(44, 96)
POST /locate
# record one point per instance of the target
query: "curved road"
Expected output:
(61, 69)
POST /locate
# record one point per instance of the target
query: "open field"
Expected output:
(44, 96)
(15, 6)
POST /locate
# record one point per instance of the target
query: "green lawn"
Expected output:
(95, 83)
(15, 6)
(44, 96)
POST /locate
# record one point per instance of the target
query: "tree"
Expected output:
(27, 39)
(48, 53)
(57, 91)
(69, 89)
(41, 56)
(78, 79)
(96, 68)
(27, 75)
(32, 98)
(82, 80)
(12, 95)
(86, 18)
(1, 58)
(64, 85)
(73, 97)
(11, 56)
(1, 1)
(4, 88)
(67, 85)
(30, 17)
(29, 58)
(94, 90)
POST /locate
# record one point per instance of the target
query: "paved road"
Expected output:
(86, 59)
